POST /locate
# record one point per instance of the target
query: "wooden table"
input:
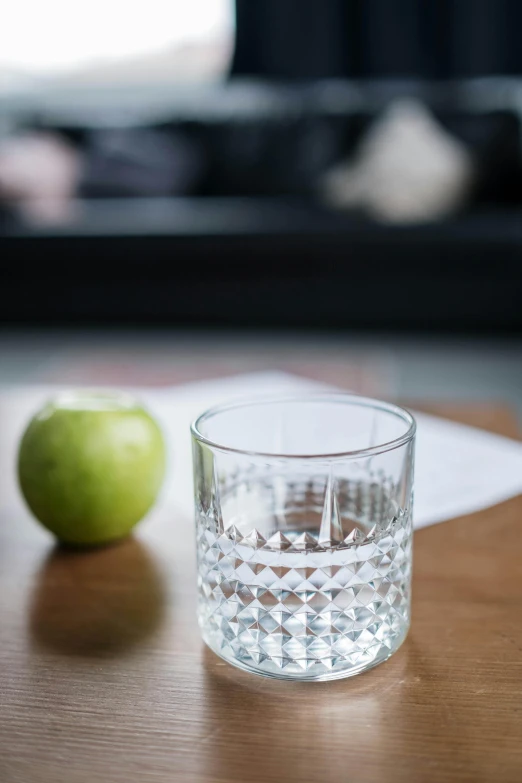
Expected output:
(104, 679)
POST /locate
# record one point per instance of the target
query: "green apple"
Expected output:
(90, 466)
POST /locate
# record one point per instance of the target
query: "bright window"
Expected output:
(115, 40)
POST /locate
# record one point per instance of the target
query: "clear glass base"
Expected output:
(339, 671)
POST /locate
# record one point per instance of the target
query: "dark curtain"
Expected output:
(313, 39)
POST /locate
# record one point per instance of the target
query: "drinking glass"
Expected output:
(304, 533)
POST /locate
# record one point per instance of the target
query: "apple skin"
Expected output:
(90, 466)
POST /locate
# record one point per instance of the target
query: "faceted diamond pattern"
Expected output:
(269, 605)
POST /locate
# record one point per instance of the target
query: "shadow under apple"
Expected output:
(97, 602)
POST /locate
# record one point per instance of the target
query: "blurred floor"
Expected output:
(403, 368)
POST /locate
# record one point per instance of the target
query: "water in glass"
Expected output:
(315, 586)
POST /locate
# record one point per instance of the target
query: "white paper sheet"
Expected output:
(458, 469)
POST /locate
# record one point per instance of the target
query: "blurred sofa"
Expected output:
(203, 207)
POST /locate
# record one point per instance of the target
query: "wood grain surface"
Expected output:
(104, 679)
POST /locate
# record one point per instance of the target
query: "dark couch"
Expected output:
(203, 208)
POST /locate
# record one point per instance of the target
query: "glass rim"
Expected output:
(334, 397)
